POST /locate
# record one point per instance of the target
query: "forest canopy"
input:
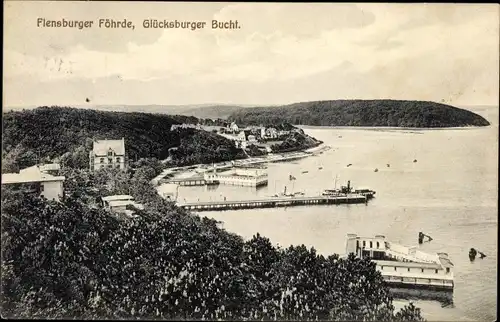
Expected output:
(51, 132)
(392, 113)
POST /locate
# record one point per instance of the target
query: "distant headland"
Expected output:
(375, 113)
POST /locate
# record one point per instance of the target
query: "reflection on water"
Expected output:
(450, 194)
(445, 298)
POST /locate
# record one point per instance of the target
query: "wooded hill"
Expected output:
(51, 132)
(392, 113)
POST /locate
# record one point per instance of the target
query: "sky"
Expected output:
(282, 53)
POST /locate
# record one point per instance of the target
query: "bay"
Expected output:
(450, 193)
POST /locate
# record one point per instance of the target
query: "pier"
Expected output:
(272, 203)
(191, 181)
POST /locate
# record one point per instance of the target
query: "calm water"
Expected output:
(450, 193)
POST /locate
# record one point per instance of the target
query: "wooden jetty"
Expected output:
(190, 182)
(272, 202)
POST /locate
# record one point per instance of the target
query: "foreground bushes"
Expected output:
(72, 260)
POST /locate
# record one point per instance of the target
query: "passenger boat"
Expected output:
(346, 190)
(365, 192)
(403, 266)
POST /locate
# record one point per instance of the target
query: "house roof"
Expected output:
(408, 264)
(118, 203)
(117, 197)
(31, 174)
(102, 147)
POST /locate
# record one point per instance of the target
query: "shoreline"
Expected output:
(385, 128)
(279, 157)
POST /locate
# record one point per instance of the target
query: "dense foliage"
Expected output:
(74, 259)
(47, 133)
(254, 151)
(295, 141)
(392, 113)
(203, 147)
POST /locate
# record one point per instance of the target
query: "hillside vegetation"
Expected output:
(202, 111)
(391, 113)
(53, 132)
(73, 260)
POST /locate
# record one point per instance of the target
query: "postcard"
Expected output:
(250, 161)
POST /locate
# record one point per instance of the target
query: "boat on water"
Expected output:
(348, 190)
(305, 171)
(284, 194)
(402, 266)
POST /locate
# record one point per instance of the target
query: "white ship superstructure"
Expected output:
(404, 266)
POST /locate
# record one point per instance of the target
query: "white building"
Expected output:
(252, 139)
(108, 154)
(185, 126)
(234, 127)
(121, 204)
(253, 177)
(404, 266)
(38, 179)
(242, 137)
(271, 133)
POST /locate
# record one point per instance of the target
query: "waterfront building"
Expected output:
(108, 154)
(404, 266)
(239, 176)
(42, 180)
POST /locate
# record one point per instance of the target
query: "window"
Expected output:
(364, 243)
(102, 160)
(118, 160)
(422, 270)
(408, 269)
(371, 244)
(110, 153)
(395, 267)
(382, 267)
(357, 244)
(436, 271)
(110, 165)
(378, 244)
(118, 166)
(447, 269)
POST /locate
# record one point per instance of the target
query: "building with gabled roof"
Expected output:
(108, 154)
(39, 179)
(121, 204)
